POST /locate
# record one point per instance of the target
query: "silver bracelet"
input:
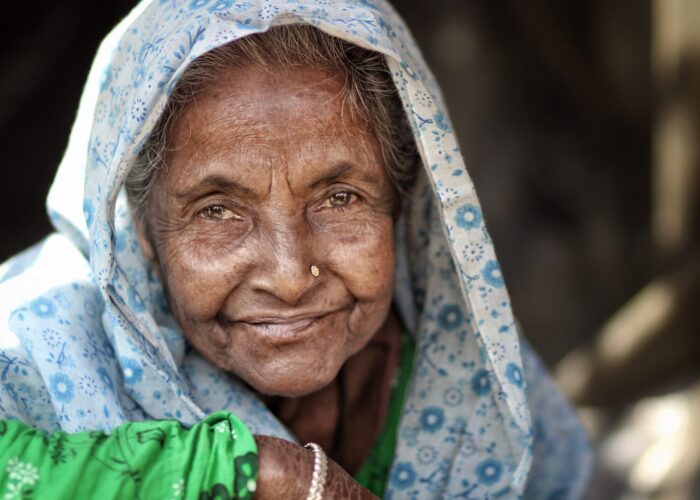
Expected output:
(318, 478)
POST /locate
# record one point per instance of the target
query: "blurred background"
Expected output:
(579, 122)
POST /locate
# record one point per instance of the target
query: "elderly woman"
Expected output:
(263, 217)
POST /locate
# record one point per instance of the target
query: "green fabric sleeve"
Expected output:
(216, 458)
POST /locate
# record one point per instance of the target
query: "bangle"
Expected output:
(318, 478)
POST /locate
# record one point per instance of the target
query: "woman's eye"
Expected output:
(218, 212)
(340, 199)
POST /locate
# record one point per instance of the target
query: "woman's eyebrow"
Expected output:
(340, 171)
(218, 183)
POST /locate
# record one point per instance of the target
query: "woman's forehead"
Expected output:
(249, 85)
(247, 103)
(248, 123)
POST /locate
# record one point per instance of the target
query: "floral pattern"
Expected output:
(61, 387)
(191, 462)
(479, 397)
(21, 476)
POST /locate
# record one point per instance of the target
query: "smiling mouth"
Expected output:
(281, 331)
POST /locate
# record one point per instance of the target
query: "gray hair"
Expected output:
(369, 92)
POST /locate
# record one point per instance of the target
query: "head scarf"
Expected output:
(87, 340)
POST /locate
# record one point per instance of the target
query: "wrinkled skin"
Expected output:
(288, 469)
(267, 174)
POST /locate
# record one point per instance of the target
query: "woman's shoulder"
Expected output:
(50, 263)
(50, 326)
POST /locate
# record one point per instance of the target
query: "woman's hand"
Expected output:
(285, 471)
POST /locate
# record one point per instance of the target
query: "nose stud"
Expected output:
(315, 272)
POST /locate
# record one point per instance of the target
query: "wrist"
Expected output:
(285, 469)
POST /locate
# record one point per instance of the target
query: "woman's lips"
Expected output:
(281, 331)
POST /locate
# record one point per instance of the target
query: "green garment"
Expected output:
(216, 458)
(374, 473)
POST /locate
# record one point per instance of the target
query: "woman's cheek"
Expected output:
(199, 274)
(363, 255)
(366, 265)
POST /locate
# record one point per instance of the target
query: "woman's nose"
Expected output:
(286, 272)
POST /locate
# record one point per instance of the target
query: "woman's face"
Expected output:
(266, 176)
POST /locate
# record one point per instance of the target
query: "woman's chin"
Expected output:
(290, 385)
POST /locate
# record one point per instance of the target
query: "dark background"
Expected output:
(567, 114)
